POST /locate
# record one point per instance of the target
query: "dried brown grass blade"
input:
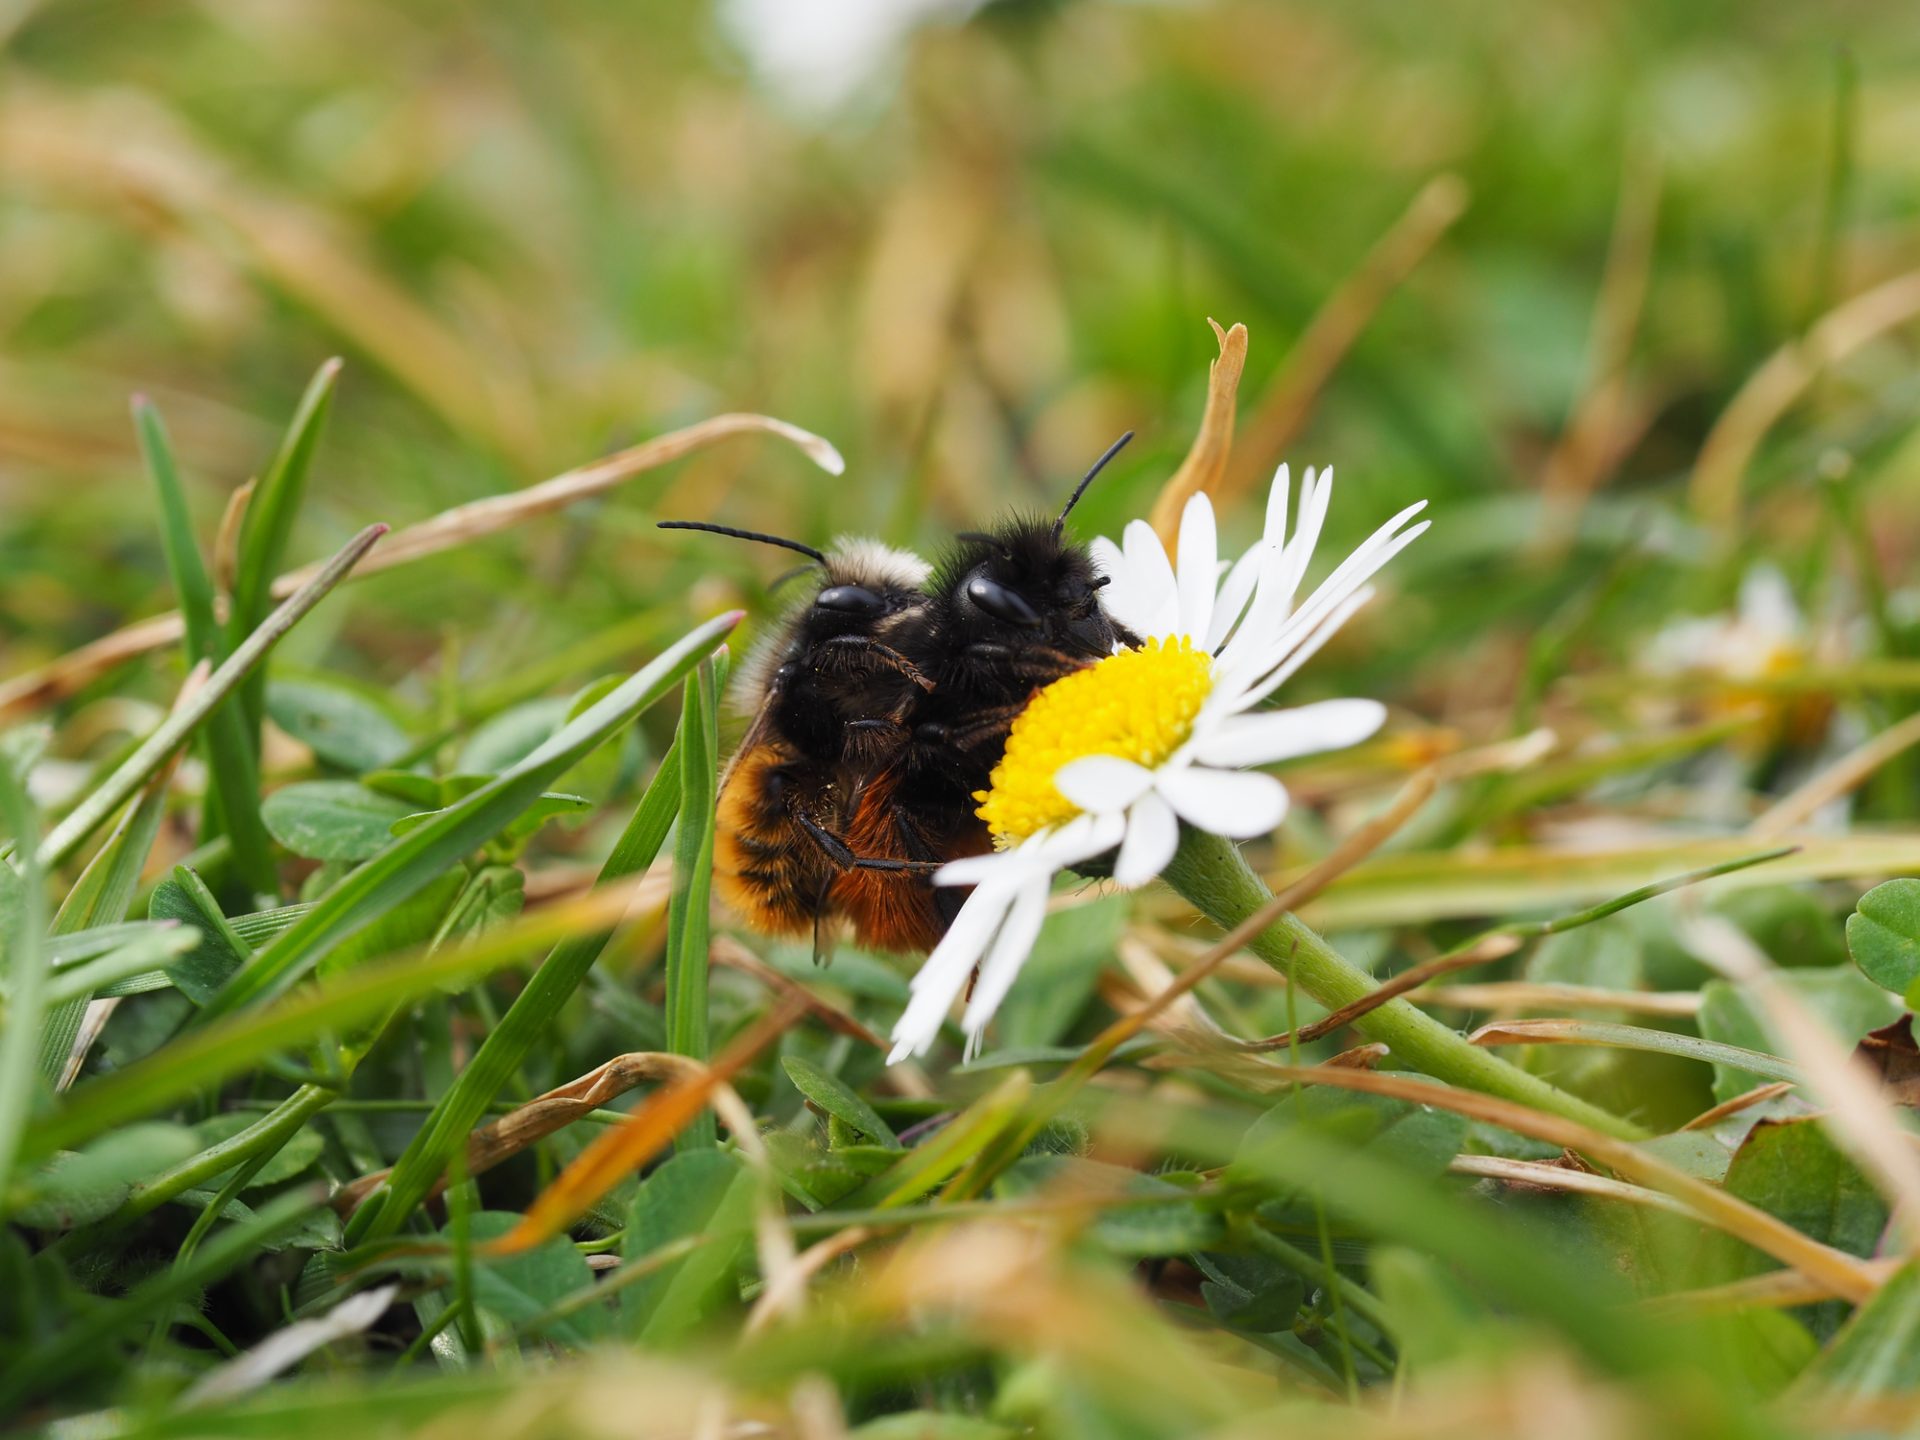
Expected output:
(226, 543)
(649, 1130)
(1759, 1095)
(730, 952)
(1781, 380)
(1532, 994)
(1289, 399)
(1206, 462)
(446, 531)
(1545, 1175)
(1481, 952)
(538, 1118)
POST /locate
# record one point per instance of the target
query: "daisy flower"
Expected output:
(1117, 756)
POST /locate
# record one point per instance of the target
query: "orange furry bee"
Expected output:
(802, 838)
(881, 706)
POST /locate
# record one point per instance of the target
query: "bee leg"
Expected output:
(947, 899)
(849, 654)
(841, 854)
(985, 725)
(873, 741)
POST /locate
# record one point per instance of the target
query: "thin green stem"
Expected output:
(1213, 876)
(268, 1133)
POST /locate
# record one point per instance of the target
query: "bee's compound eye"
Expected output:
(1001, 603)
(850, 600)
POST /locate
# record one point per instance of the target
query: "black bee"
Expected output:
(880, 709)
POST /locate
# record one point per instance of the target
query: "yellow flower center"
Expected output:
(1139, 705)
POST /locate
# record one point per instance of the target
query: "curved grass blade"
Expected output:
(234, 778)
(536, 1006)
(173, 732)
(412, 861)
(1634, 1037)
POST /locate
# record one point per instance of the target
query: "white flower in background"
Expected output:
(818, 54)
(1766, 634)
(1119, 753)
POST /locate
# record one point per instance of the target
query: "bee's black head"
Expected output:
(1019, 586)
(1024, 584)
(868, 589)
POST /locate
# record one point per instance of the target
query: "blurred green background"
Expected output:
(968, 248)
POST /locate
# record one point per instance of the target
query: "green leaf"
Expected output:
(332, 819)
(221, 951)
(532, 1011)
(1845, 999)
(509, 737)
(689, 907)
(707, 1193)
(836, 1099)
(1883, 934)
(1417, 1139)
(150, 951)
(1059, 977)
(520, 1288)
(1877, 1352)
(294, 1158)
(412, 861)
(1792, 1170)
(77, 1187)
(341, 725)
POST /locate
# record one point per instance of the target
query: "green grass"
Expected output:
(318, 894)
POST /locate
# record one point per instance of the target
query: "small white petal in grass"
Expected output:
(1102, 783)
(1215, 640)
(1153, 833)
(1265, 739)
(1236, 803)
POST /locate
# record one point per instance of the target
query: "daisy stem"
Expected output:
(1213, 876)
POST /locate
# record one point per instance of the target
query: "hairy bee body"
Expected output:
(881, 706)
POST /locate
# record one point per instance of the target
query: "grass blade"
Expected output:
(217, 1052)
(27, 974)
(1634, 1037)
(234, 779)
(536, 1007)
(173, 732)
(412, 861)
(101, 897)
(268, 527)
(689, 909)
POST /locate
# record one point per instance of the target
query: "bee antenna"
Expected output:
(1081, 489)
(806, 550)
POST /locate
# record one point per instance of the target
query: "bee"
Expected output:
(881, 706)
(832, 695)
(1013, 609)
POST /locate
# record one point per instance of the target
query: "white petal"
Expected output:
(1298, 651)
(1276, 529)
(1121, 597)
(1156, 598)
(1152, 834)
(1282, 734)
(1198, 570)
(944, 974)
(980, 869)
(1010, 950)
(1101, 784)
(1235, 591)
(1235, 803)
